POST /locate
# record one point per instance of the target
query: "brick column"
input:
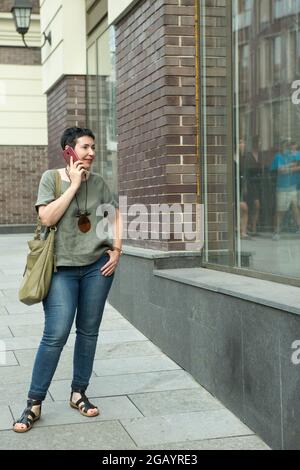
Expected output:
(156, 107)
(66, 108)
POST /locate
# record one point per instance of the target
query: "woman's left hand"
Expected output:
(110, 266)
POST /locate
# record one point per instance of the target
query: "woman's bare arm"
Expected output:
(53, 212)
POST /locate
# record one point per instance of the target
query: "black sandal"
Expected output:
(83, 405)
(28, 417)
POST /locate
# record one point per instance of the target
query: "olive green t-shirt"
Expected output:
(73, 247)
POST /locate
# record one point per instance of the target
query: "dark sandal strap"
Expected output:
(87, 405)
(24, 418)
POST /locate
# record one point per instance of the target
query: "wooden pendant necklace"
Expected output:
(84, 223)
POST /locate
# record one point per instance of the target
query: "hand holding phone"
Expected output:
(75, 172)
(68, 153)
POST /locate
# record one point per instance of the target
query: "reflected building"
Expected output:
(254, 67)
(266, 36)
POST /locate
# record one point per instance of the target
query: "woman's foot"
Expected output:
(80, 401)
(31, 414)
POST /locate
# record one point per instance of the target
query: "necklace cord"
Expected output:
(86, 195)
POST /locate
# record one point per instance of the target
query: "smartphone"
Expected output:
(68, 153)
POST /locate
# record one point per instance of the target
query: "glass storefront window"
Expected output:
(101, 99)
(92, 90)
(254, 46)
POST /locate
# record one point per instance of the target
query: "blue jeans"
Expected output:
(83, 289)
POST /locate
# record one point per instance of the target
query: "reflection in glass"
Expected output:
(92, 108)
(266, 135)
(107, 106)
(101, 99)
(250, 138)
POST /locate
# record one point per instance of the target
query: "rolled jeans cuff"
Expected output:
(78, 387)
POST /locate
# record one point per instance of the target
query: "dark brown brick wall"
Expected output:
(155, 46)
(66, 108)
(6, 5)
(21, 169)
(20, 55)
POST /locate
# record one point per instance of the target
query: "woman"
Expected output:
(86, 258)
(254, 177)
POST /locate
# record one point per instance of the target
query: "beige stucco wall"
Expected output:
(118, 7)
(23, 107)
(66, 19)
(67, 54)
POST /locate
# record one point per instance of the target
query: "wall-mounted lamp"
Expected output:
(21, 11)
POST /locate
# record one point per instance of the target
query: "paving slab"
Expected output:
(133, 365)
(21, 374)
(10, 284)
(15, 307)
(14, 393)
(175, 401)
(3, 310)
(115, 324)
(8, 359)
(227, 443)
(10, 278)
(130, 383)
(29, 342)
(6, 418)
(20, 331)
(23, 319)
(111, 313)
(185, 427)
(120, 336)
(5, 332)
(16, 272)
(107, 435)
(127, 349)
(11, 293)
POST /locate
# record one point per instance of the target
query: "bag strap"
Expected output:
(57, 184)
(57, 193)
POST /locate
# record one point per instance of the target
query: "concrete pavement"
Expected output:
(147, 401)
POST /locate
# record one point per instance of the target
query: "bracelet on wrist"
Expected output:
(115, 248)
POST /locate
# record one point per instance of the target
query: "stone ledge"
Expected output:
(271, 294)
(155, 254)
(13, 229)
(166, 259)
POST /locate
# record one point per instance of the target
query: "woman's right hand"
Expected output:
(76, 170)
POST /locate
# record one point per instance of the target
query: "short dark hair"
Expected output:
(71, 135)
